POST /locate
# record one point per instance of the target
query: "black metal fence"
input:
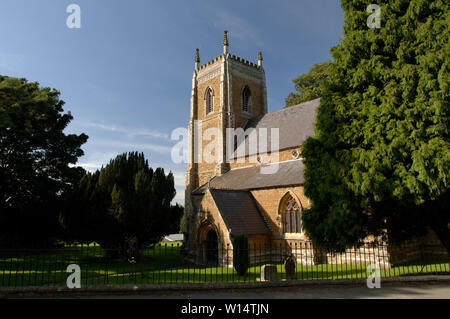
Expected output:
(171, 263)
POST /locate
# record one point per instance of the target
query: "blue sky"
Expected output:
(125, 75)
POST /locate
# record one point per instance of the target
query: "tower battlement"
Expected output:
(233, 58)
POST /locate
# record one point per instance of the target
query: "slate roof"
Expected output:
(253, 177)
(295, 124)
(240, 212)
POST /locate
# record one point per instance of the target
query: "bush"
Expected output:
(240, 254)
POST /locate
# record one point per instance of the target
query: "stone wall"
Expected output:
(275, 157)
(237, 85)
(280, 246)
(204, 217)
(269, 200)
(427, 248)
(304, 252)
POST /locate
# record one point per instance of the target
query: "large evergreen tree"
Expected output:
(380, 160)
(35, 154)
(125, 200)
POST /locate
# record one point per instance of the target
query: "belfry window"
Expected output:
(209, 100)
(246, 100)
(291, 217)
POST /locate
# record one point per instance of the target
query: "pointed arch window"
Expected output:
(246, 100)
(209, 100)
(291, 216)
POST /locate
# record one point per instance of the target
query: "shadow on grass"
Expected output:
(163, 263)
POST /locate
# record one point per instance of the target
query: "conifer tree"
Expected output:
(379, 162)
(125, 200)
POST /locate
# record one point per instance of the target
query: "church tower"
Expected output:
(226, 92)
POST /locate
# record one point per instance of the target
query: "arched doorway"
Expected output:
(212, 251)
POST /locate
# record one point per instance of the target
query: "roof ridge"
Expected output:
(228, 190)
(277, 111)
(289, 107)
(265, 164)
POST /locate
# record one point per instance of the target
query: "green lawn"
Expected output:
(161, 263)
(43, 267)
(222, 274)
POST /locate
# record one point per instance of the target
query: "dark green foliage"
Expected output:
(240, 254)
(124, 200)
(309, 85)
(34, 160)
(177, 213)
(380, 161)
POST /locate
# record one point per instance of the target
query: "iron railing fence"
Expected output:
(171, 263)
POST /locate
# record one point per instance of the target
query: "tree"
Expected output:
(379, 163)
(125, 200)
(309, 85)
(177, 227)
(35, 158)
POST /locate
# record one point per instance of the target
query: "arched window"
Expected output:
(291, 218)
(246, 99)
(209, 100)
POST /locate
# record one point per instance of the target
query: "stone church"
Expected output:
(259, 194)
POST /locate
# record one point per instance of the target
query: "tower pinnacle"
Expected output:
(197, 58)
(225, 42)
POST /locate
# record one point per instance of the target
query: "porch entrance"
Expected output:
(212, 249)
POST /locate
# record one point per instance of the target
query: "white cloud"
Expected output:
(91, 166)
(131, 146)
(179, 197)
(179, 178)
(96, 160)
(130, 132)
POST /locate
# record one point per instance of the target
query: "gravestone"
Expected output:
(269, 273)
(320, 256)
(289, 268)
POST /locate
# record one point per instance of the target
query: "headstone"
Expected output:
(269, 273)
(289, 268)
(132, 251)
(320, 256)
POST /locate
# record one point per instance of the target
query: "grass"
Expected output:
(44, 267)
(161, 263)
(318, 272)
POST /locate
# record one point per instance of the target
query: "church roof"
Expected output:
(254, 177)
(240, 212)
(295, 124)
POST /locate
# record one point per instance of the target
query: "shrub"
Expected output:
(240, 254)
